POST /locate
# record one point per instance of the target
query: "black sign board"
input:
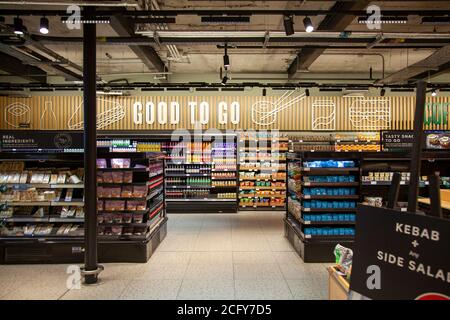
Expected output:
(397, 140)
(28, 141)
(399, 255)
(439, 140)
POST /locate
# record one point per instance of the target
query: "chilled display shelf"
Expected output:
(124, 169)
(154, 174)
(253, 169)
(260, 205)
(261, 179)
(105, 184)
(265, 149)
(326, 222)
(329, 184)
(188, 175)
(261, 188)
(45, 185)
(388, 183)
(326, 238)
(223, 178)
(223, 170)
(43, 219)
(327, 170)
(200, 199)
(148, 197)
(328, 209)
(189, 187)
(339, 197)
(43, 203)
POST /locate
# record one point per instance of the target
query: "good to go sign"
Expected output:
(436, 113)
(199, 112)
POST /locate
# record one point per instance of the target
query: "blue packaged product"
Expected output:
(306, 191)
(352, 204)
(307, 231)
(313, 231)
(307, 204)
(335, 217)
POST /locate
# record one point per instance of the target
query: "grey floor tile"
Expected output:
(212, 257)
(295, 271)
(164, 272)
(151, 290)
(200, 289)
(254, 257)
(107, 290)
(169, 257)
(223, 271)
(257, 271)
(306, 289)
(287, 257)
(262, 289)
(122, 271)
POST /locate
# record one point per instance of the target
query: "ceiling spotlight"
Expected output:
(18, 26)
(288, 22)
(224, 80)
(44, 25)
(308, 25)
(264, 92)
(433, 93)
(226, 58)
(382, 92)
(307, 92)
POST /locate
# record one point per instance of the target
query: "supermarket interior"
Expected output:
(144, 156)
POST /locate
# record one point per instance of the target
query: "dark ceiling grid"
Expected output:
(332, 22)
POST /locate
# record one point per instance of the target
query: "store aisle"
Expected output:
(204, 256)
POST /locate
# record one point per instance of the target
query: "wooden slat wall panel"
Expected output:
(296, 117)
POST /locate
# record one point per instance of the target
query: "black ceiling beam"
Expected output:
(15, 66)
(60, 70)
(231, 12)
(145, 85)
(301, 41)
(145, 52)
(332, 22)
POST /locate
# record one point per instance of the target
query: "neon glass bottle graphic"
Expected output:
(49, 116)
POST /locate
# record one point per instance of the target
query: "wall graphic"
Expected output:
(323, 115)
(368, 114)
(265, 112)
(291, 111)
(113, 112)
(17, 114)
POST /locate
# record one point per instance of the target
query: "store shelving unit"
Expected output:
(321, 209)
(202, 174)
(262, 171)
(52, 231)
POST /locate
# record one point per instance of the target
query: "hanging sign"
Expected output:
(57, 141)
(399, 255)
(437, 140)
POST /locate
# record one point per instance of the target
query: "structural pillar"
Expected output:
(90, 146)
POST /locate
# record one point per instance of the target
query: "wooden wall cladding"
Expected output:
(118, 113)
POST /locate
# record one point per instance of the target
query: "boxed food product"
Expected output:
(99, 177)
(120, 163)
(140, 191)
(128, 177)
(127, 192)
(116, 230)
(117, 218)
(99, 205)
(138, 218)
(101, 163)
(114, 205)
(117, 177)
(108, 177)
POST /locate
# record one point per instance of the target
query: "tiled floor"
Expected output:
(204, 256)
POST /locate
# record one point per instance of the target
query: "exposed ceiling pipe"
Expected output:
(78, 3)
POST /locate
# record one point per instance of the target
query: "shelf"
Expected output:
(223, 178)
(274, 139)
(188, 175)
(200, 200)
(43, 203)
(261, 188)
(182, 163)
(245, 149)
(234, 187)
(330, 184)
(223, 170)
(272, 196)
(156, 174)
(329, 209)
(326, 238)
(67, 203)
(263, 169)
(346, 197)
(104, 184)
(188, 187)
(326, 222)
(388, 183)
(326, 170)
(46, 185)
(125, 198)
(124, 169)
(46, 219)
(260, 179)
(280, 206)
(123, 211)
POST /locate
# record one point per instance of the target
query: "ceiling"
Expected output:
(190, 47)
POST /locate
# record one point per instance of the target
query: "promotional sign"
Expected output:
(399, 255)
(437, 140)
(58, 141)
(397, 140)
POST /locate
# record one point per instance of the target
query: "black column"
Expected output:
(416, 154)
(90, 144)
